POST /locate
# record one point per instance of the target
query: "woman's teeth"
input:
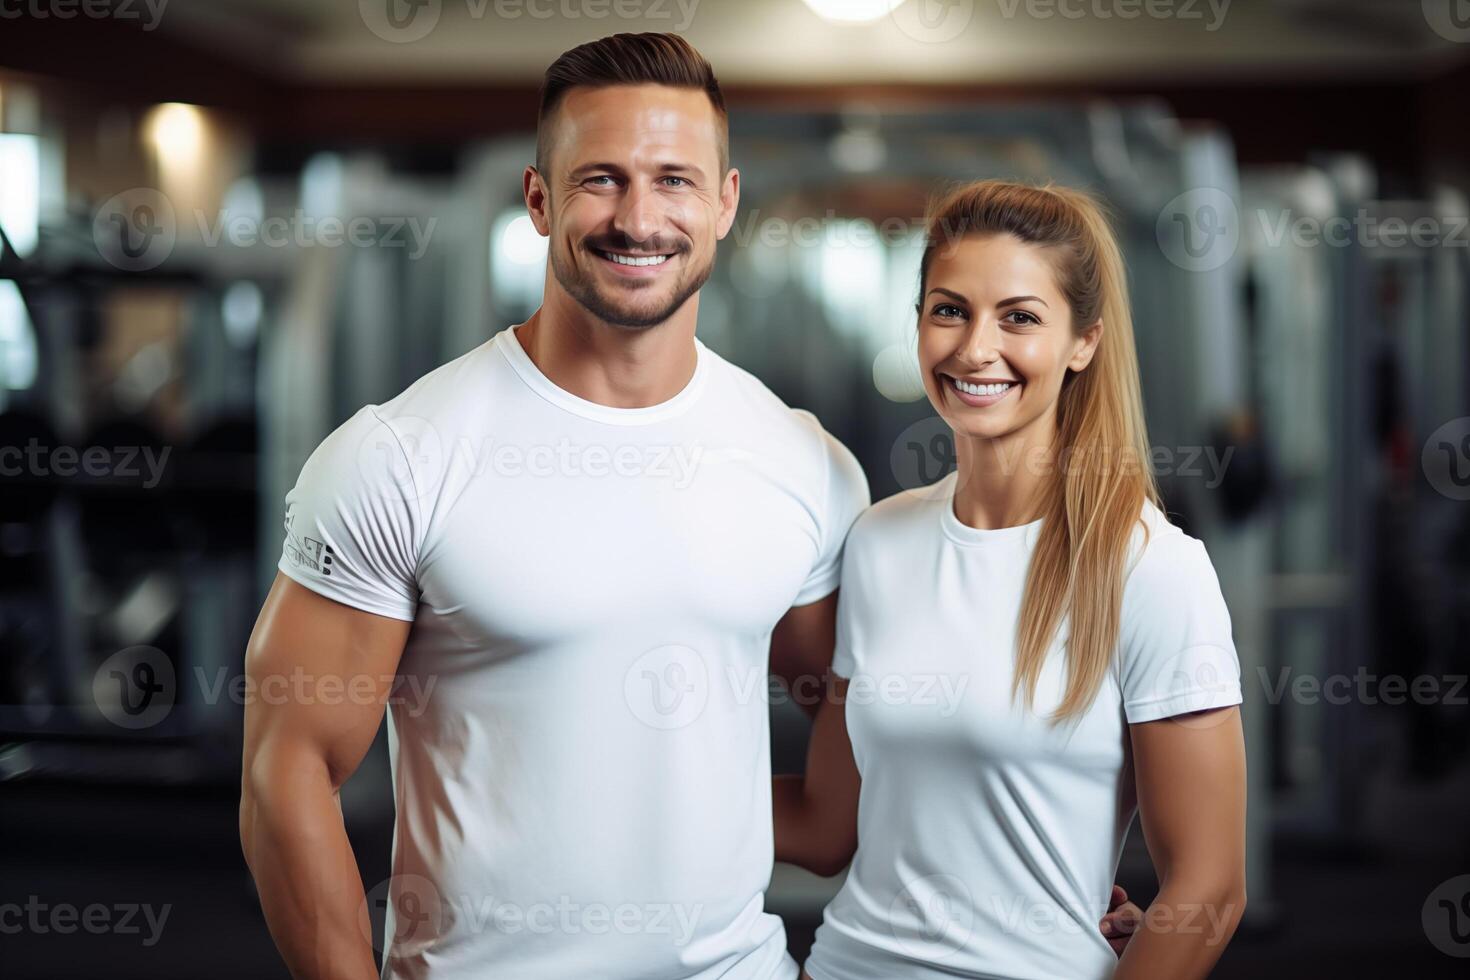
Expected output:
(974, 389)
(634, 260)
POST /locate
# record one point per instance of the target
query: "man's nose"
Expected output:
(638, 214)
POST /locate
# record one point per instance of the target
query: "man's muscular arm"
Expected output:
(300, 747)
(816, 812)
(801, 651)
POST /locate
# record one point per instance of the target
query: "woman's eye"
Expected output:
(1025, 319)
(947, 311)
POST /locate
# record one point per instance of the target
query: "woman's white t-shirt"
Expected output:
(988, 840)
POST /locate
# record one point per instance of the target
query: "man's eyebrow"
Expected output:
(670, 167)
(590, 167)
(681, 168)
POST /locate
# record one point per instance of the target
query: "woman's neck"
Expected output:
(1003, 482)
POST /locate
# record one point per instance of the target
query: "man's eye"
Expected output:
(600, 180)
(947, 311)
(676, 181)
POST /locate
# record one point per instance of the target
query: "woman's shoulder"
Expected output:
(903, 511)
(1162, 552)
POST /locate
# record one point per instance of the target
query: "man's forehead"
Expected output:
(649, 114)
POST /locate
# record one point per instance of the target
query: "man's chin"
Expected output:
(630, 303)
(632, 316)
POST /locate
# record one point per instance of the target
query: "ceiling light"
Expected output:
(853, 11)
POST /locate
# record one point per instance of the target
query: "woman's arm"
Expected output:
(816, 813)
(1191, 803)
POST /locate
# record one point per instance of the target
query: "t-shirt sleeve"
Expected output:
(1176, 653)
(849, 601)
(352, 520)
(845, 496)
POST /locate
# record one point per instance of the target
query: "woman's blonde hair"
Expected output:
(1102, 450)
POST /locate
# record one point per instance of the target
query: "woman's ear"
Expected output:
(1085, 346)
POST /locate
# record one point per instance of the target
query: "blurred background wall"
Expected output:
(229, 223)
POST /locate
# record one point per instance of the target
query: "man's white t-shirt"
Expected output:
(579, 727)
(988, 841)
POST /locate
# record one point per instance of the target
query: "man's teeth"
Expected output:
(635, 260)
(974, 389)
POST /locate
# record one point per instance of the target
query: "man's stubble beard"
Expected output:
(584, 290)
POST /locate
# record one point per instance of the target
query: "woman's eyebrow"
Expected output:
(960, 297)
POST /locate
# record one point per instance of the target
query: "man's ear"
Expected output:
(729, 202)
(1086, 347)
(537, 199)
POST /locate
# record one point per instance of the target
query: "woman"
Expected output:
(1028, 652)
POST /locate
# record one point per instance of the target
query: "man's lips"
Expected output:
(637, 264)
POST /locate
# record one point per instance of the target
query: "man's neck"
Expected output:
(613, 366)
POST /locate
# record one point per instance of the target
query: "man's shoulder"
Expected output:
(449, 392)
(764, 408)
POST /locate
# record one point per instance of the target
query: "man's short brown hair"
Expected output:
(629, 59)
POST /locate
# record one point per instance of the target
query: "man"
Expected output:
(569, 558)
